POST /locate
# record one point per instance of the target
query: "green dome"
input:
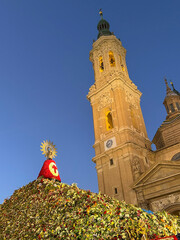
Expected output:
(103, 28)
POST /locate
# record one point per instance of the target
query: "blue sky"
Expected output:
(45, 75)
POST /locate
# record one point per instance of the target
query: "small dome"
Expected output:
(103, 24)
(103, 28)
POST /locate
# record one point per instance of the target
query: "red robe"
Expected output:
(49, 170)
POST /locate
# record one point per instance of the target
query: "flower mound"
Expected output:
(47, 209)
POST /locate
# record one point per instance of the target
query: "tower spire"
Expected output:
(171, 101)
(168, 90)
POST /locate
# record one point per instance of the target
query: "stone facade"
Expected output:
(126, 166)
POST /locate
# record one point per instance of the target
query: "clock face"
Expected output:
(109, 143)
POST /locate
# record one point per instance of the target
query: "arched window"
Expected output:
(123, 67)
(172, 107)
(111, 59)
(109, 121)
(101, 64)
(176, 157)
(167, 109)
(177, 105)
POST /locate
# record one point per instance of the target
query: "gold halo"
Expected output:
(48, 149)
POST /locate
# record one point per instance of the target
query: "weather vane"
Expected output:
(48, 149)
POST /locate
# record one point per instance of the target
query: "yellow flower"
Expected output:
(88, 210)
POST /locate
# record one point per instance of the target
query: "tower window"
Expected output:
(176, 157)
(109, 121)
(115, 190)
(123, 68)
(111, 162)
(101, 64)
(111, 59)
(177, 105)
(167, 109)
(172, 107)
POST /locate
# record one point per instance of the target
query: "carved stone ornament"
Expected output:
(104, 100)
(130, 99)
(141, 200)
(144, 205)
(114, 74)
(161, 204)
(92, 88)
(105, 47)
(140, 196)
(110, 76)
(136, 167)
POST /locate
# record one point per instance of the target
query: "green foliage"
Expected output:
(47, 209)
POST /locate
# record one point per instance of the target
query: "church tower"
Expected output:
(168, 133)
(121, 143)
(167, 137)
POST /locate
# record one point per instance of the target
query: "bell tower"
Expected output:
(168, 133)
(121, 141)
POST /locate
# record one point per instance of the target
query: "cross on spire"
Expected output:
(55, 168)
(101, 13)
(168, 90)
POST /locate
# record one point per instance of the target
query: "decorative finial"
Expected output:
(48, 149)
(168, 90)
(172, 84)
(174, 90)
(166, 82)
(101, 13)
